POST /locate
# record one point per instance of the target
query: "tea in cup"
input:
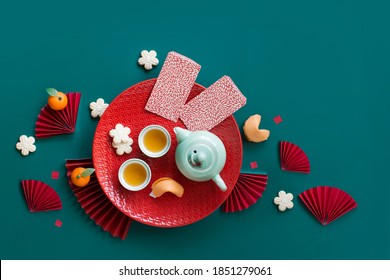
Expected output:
(134, 174)
(154, 141)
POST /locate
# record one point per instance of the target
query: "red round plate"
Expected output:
(200, 198)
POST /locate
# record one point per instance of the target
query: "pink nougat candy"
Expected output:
(213, 105)
(173, 85)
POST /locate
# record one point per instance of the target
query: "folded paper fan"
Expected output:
(248, 189)
(51, 122)
(293, 158)
(327, 203)
(96, 204)
(40, 197)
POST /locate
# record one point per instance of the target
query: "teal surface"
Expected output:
(324, 66)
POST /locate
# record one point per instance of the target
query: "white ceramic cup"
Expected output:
(153, 132)
(134, 174)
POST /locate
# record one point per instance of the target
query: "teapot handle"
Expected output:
(220, 183)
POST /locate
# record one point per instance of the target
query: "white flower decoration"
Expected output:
(120, 134)
(26, 145)
(148, 59)
(98, 107)
(284, 200)
(122, 148)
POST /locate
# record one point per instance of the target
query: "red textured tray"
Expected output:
(200, 198)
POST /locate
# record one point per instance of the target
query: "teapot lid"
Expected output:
(201, 156)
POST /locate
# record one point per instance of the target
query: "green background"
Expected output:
(322, 65)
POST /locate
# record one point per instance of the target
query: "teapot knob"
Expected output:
(197, 158)
(202, 157)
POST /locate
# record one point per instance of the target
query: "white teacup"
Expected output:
(134, 174)
(154, 141)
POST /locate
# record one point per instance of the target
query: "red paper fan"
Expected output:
(327, 203)
(247, 190)
(40, 197)
(293, 158)
(96, 204)
(51, 122)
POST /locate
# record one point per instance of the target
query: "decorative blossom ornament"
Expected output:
(98, 107)
(123, 148)
(26, 145)
(284, 200)
(148, 59)
(120, 134)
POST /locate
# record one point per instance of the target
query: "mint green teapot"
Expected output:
(200, 156)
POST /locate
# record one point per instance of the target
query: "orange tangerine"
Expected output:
(57, 100)
(80, 176)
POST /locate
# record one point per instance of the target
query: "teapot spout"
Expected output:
(220, 183)
(181, 133)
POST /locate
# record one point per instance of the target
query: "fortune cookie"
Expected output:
(166, 184)
(252, 132)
